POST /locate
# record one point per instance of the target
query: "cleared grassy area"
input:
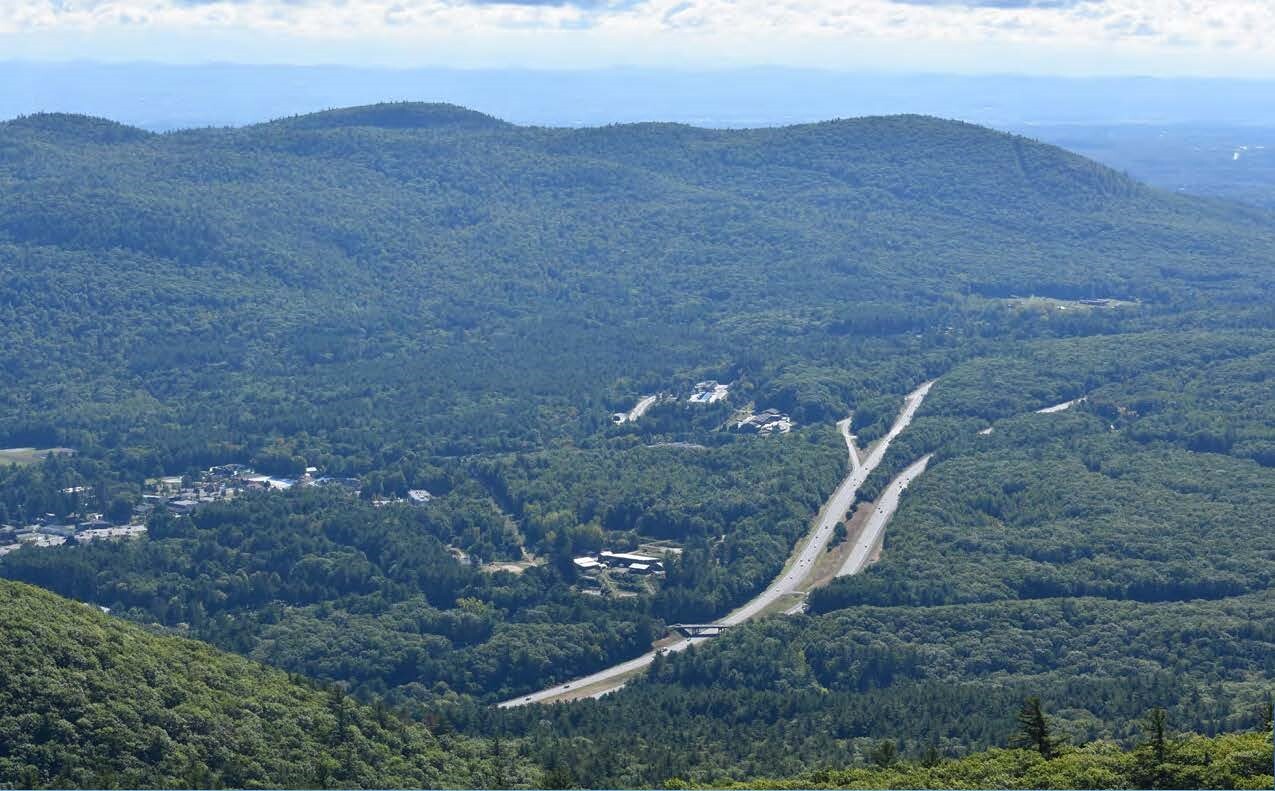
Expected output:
(24, 456)
(1051, 303)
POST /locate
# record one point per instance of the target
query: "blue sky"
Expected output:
(1069, 37)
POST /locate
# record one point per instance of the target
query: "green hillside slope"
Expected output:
(1241, 760)
(368, 267)
(89, 701)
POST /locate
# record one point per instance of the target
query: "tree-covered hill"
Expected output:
(87, 700)
(349, 273)
(1240, 760)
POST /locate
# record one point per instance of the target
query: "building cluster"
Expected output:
(182, 495)
(624, 562)
(772, 421)
(223, 482)
(178, 495)
(709, 392)
(706, 392)
(49, 531)
(414, 497)
(227, 481)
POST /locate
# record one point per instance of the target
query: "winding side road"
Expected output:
(794, 573)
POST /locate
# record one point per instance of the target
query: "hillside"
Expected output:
(89, 701)
(1241, 760)
(505, 279)
(416, 325)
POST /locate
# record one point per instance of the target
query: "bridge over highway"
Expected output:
(699, 629)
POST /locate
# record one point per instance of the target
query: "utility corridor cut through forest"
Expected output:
(795, 572)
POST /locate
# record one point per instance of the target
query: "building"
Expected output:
(181, 506)
(41, 540)
(772, 421)
(171, 484)
(111, 533)
(419, 496)
(709, 392)
(626, 558)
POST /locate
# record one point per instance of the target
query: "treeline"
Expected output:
(1159, 759)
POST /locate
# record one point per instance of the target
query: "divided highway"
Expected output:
(887, 504)
(794, 573)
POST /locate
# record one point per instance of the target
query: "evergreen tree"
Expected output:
(885, 753)
(1153, 753)
(1034, 731)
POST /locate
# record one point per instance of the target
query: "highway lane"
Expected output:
(789, 580)
(887, 504)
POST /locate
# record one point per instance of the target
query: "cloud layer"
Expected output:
(598, 32)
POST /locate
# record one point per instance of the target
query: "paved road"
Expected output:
(1049, 410)
(640, 410)
(794, 573)
(887, 504)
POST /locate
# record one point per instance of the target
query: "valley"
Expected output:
(466, 329)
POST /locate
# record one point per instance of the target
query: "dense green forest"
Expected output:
(419, 297)
(1232, 761)
(87, 700)
(90, 701)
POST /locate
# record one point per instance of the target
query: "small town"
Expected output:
(178, 495)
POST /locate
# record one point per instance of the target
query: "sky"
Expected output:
(1225, 38)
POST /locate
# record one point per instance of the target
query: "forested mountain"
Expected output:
(443, 312)
(332, 280)
(87, 700)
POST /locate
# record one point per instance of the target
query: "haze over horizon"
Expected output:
(1055, 37)
(163, 97)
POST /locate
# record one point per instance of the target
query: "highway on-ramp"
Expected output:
(794, 573)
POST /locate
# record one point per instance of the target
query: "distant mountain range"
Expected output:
(160, 96)
(1180, 134)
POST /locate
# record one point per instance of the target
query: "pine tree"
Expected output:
(1153, 754)
(1033, 729)
(885, 753)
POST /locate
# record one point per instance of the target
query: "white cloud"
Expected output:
(1149, 35)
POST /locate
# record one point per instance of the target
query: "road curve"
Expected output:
(640, 410)
(793, 574)
(887, 504)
